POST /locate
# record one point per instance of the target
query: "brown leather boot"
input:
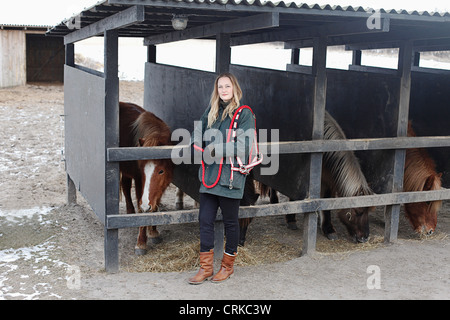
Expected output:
(206, 268)
(226, 269)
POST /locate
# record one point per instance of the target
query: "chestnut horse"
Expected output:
(140, 128)
(421, 175)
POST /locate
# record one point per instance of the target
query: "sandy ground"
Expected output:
(49, 250)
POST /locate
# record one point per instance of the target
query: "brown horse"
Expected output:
(140, 128)
(421, 175)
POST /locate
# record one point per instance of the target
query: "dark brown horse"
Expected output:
(341, 177)
(140, 128)
(421, 175)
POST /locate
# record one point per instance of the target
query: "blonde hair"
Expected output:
(215, 99)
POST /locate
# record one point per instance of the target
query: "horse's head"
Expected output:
(156, 177)
(356, 220)
(423, 215)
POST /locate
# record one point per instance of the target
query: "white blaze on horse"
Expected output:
(140, 128)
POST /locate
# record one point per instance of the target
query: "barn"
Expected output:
(27, 55)
(373, 105)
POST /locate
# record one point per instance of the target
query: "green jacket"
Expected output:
(201, 137)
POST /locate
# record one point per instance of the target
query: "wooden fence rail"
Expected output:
(301, 206)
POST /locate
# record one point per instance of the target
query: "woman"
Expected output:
(221, 187)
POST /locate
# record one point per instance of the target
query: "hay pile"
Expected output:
(268, 241)
(181, 255)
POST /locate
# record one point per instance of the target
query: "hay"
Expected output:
(176, 256)
(422, 237)
(268, 241)
(265, 251)
(180, 256)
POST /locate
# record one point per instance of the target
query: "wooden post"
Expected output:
(70, 54)
(392, 212)
(151, 53)
(223, 53)
(315, 172)
(71, 189)
(111, 63)
(356, 57)
(295, 56)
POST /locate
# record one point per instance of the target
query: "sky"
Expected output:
(52, 12)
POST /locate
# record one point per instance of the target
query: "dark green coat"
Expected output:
(245, 135)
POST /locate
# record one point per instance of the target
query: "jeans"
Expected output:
(209, 204)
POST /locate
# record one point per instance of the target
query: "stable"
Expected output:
(373, 105)
(27, 55)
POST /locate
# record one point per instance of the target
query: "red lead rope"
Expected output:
(244, 169)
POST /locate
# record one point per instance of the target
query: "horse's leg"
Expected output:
(325, 221)
(154, 235)
(326, 226)
(141, 245)
(126, 188)
(243, 227)
(179, 204)
(273, 196)
(291, 220)
(138, 191)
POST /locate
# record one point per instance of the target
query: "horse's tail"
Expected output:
(264, 189)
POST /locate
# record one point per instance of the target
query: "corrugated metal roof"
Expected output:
(158, 15)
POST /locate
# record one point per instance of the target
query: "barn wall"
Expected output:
(45, 58)
(179, 96)
(364, 104)
(430, 114)
(12, 58)
(84, 100)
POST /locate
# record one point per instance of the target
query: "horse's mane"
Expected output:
(152, 129)
(343, 165)
(420, 170)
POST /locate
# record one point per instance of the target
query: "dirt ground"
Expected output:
(50, 250)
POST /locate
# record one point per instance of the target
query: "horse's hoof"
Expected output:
(332, 236)
(156, 240)
(140, 252)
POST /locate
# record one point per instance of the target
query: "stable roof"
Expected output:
(6, 26)
(256, 22)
